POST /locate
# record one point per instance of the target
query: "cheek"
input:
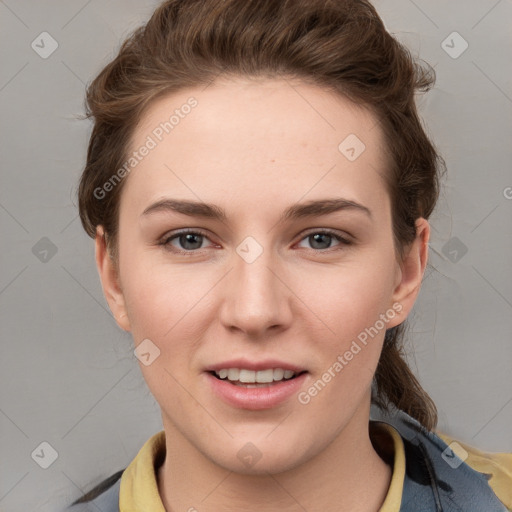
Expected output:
(163, 306)
(354, 311)
(347, 360)
(157, 298)
(353, 298)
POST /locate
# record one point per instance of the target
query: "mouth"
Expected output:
(246, 383)
(247, 378)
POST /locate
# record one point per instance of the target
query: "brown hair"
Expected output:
(341, 45)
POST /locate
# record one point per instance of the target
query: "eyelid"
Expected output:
(184, 231)
(343, 236)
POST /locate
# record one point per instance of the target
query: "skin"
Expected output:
(254, 148)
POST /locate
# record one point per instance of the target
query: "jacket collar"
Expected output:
(436, 479)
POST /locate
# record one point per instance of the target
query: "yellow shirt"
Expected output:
(139, 488)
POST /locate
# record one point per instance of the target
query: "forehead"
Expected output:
(256, 139)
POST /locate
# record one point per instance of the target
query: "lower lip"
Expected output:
(256, 398)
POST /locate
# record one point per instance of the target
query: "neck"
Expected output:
(348, 475)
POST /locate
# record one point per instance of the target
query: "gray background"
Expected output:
(68, 375)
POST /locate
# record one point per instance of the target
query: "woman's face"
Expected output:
(255, 289)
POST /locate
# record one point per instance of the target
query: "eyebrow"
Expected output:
(294, 212)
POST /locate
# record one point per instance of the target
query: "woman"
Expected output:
(258, 184)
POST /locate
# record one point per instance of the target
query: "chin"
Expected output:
(277, 463)
(261, 456)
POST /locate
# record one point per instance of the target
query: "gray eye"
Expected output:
(322, 240)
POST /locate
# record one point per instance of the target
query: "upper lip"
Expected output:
(254, 365)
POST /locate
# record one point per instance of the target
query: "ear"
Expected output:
(410, 272)
(110, 281)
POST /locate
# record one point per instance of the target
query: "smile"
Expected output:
(252, 394)
(251, 378)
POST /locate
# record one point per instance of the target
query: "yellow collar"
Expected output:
(139, 487)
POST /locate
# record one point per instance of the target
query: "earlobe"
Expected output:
(412, 269)
(110, 281)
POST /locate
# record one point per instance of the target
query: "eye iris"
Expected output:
(189, 238)
(318, 237)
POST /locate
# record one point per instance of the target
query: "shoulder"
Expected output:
(444, 474)
(129, 487)
(104, 497)
(497, 467)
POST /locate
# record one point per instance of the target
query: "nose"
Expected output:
(257, 300)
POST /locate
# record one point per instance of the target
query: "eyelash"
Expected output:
(167, 239)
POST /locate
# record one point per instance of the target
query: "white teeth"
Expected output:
(265, 375)
(252, 377)
(247, 376)
(278, 374)
(233, 373)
